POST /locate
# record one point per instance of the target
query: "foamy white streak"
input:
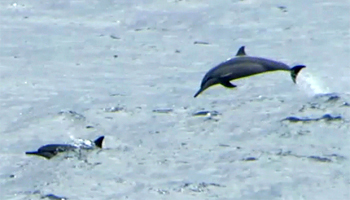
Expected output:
(311, 84)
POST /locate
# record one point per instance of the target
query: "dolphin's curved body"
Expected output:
(51, 150)
(243, 66)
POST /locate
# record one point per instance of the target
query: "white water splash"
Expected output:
(311, 84)
(82, 143)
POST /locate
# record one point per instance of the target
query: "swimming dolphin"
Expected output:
(51, 150)
(243, 66)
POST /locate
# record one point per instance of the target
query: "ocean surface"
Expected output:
(128, 70)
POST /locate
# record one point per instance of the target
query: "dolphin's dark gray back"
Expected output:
(56, 148)
(240, 67)
(268, 64)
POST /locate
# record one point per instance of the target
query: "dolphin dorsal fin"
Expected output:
(241, 51)
(98, 141)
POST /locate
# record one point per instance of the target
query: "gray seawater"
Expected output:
(128, 70)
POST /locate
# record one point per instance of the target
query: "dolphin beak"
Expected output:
(199, 91)
(46, 155)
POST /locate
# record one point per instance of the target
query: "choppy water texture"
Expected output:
(75, 70)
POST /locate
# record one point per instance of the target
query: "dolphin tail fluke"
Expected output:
(98, 141)
(295, 71)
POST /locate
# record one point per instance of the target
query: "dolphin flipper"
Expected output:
(226, 83)
(295, 70)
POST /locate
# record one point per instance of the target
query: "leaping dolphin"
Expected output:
(243, 66)
(51, 150)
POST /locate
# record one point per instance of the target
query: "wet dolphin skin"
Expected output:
(50, 150)
(243, 66)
